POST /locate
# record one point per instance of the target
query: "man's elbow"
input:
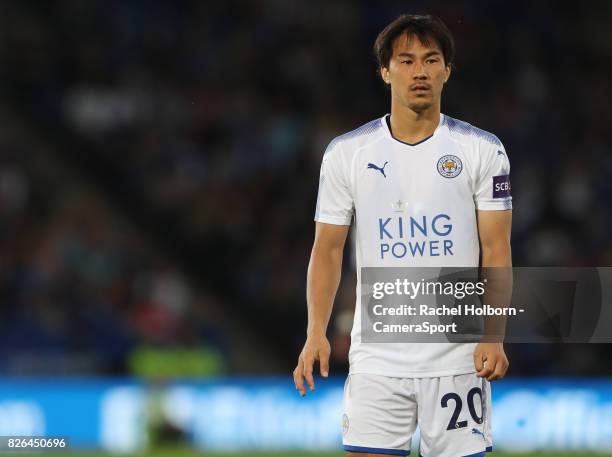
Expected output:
(496, 255)
(328, 251)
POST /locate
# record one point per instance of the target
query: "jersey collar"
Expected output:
(385, 123)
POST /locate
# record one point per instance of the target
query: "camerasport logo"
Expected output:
(501, 186)
(449, 166)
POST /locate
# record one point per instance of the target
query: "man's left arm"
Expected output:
(494, 228)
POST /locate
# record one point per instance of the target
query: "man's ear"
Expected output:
(447, 73)
(384, 74)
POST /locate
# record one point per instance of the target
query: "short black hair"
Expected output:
(425, 27)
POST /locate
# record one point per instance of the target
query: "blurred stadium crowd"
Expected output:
(160, 165)
(82, 292)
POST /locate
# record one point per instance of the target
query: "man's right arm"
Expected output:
(324, 271)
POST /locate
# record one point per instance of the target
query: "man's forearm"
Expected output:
(324, 271)
(497, 269)
(499, 255)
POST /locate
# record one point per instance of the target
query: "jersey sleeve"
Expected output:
(334, 201)
(493, 191)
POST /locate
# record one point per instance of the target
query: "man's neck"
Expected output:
(410, 126)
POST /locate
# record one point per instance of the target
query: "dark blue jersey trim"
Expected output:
(403, 142)
(413, 144)
(481, 454)
(478, 454)
(375, 450)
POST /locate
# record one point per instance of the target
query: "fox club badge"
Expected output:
(450, 166)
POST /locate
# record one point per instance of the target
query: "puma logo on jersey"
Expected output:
(376, 167)
(475, 431)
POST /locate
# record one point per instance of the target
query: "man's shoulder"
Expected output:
(359, 137)
(465, 131)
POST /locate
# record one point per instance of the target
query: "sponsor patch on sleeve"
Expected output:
(501, 186)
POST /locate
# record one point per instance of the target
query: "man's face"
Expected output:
(416, 72)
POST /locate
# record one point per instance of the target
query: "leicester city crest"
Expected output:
(450, 166)
(345, 424)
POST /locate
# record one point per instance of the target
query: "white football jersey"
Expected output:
(414, 205)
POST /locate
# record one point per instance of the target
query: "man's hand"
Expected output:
(490, 361)
(316, 348)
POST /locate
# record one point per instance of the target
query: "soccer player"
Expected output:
(419, 165)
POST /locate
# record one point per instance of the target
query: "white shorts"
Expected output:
(453, 414)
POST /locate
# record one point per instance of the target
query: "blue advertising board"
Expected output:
(267, 414)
